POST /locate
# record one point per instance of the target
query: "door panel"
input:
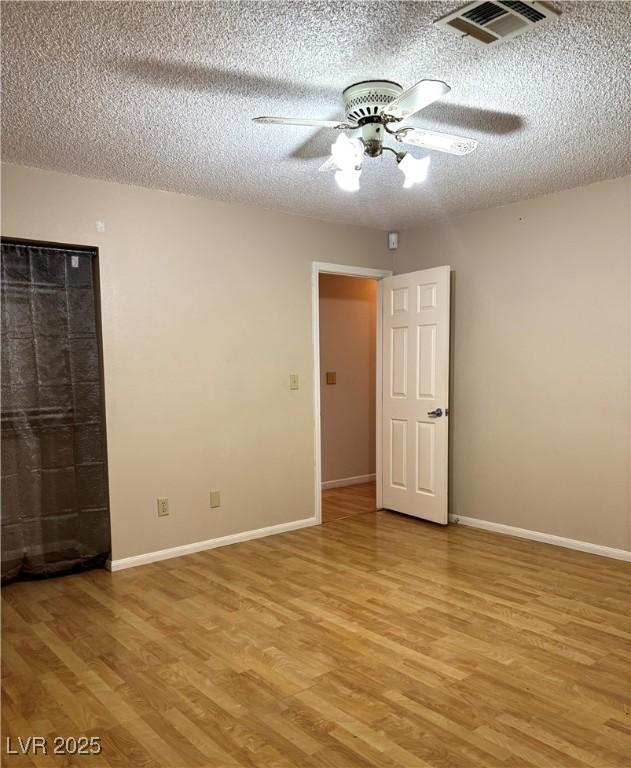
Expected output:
(399, 362)
(416, 384)
(398, 452)
(426, 368)
(399, 300)
(425, 450)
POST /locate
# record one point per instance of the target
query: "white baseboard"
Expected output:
(343, 481)
(546, 538)
(200, 546)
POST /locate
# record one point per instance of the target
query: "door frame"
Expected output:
(319, 268)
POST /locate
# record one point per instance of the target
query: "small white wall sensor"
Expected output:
(393, 240)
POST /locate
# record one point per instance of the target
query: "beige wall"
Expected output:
(206, 311)
(348, 307)
(540, 361)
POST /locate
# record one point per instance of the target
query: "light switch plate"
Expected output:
(215, 499)
(293, 381)
(163, 507)
(331, 377)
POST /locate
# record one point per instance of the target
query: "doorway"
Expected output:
(347, 321)
(411, 392)
(348, 317)
(54, 474)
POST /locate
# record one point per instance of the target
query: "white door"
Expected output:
(415, 389)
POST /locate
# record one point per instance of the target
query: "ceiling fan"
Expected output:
(376, 106)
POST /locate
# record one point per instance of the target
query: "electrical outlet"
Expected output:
(215, 499)
(163, 507)
(293, 381)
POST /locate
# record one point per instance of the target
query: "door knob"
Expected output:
(435, 414)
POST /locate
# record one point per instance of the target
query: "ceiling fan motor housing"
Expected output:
(363, 104)
(367, 99)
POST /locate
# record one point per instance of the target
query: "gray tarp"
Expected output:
(55, 515)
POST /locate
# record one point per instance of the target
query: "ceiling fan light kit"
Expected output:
(347, 153)
(375, 107)
(348, 179)
(414, 169)
(347, 157)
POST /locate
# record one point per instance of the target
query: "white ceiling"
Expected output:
(161, 95)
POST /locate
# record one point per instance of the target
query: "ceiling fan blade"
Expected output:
(329, 165)
(415, 98)
(301, 121)
(443, 142)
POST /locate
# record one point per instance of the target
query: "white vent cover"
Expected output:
(491, 22)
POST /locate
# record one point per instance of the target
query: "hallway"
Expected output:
(338, 503)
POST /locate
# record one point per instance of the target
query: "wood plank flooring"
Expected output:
(376, 640)
(349, 500)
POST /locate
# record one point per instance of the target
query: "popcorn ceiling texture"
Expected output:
(161, 95)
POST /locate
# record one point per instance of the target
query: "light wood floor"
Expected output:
(377, 640)
(338, 503)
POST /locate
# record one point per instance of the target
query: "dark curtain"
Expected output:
(55, 516)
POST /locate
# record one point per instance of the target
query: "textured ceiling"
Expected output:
(161, 95)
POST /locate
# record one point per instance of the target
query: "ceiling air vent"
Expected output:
(491, 22)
